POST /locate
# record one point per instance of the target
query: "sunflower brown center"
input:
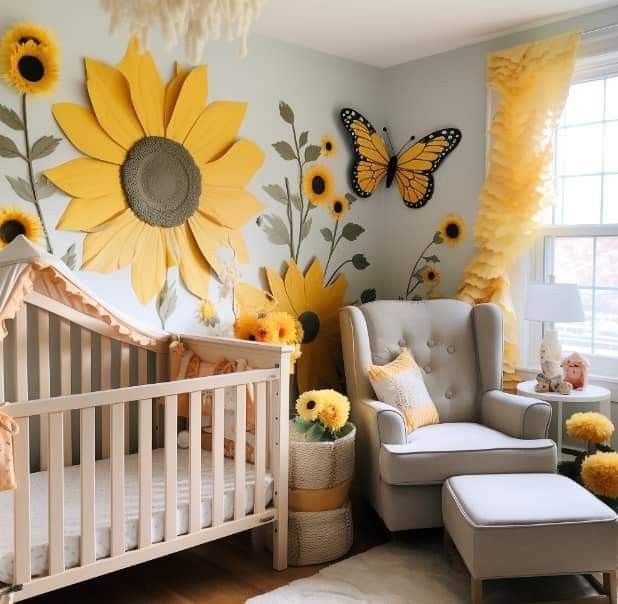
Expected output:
(338, 207)
(161, 181)
(311, 326)
(25, 39)
(318, 186)
(31, 68)
(431, 275)
(11, 229)
(329, 146)
(311, 405)
(452, 231)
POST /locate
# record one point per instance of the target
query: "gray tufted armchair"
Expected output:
(482, 430)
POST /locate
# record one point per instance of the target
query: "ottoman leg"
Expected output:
(609, 583)
(476, 590)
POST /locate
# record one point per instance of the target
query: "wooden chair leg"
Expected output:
(609, 583)
(476, 590)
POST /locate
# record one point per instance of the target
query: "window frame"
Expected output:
(593, 65)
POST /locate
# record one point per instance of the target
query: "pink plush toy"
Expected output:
(575, 368)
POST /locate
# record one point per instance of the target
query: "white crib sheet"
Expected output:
(39, 508)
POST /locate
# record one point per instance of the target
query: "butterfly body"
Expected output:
(411, 168)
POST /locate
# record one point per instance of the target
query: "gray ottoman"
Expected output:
(518, 525)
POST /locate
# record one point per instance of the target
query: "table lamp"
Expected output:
(553, 303)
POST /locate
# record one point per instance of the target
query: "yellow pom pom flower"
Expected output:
(452, 230)
(30, 68)
(245, 327)
(590, 427)
(15, 222)
(430, 275)
(334, 409)
(328, 146)
(318, 183)
(308, 405)
(600, 474)
(285, 326)
(207, 313)
(266, 330)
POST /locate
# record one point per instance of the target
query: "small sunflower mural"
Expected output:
(207, 313)
(328, 146)
(30, 65)
(15, 222)
(425, 275)
(163, 181)
(338, 207)
(318, 184)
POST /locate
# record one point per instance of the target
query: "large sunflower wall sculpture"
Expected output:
(163, 183)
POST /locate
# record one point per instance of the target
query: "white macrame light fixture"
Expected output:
(194, 21)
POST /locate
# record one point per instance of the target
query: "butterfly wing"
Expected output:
(416, 164)
(371, 161)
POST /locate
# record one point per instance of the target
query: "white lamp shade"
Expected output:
(557, 302)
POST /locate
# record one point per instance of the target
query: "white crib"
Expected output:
(101, 484)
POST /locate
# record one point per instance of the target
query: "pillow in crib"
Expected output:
(400, 384)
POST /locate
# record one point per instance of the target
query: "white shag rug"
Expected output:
(415, 573)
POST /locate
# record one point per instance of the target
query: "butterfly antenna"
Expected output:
(388, 138)
(406, 144)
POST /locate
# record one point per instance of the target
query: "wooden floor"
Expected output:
(227, 571)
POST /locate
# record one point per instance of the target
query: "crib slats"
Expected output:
(218, 420)
(86, 364)
(44, 379)
(117, 471)
(125, 352)
(106, 384)
(195, 461)
(65, 386)
(88, 484)
(145, 471)
(142, 366)
(56, 493)
(171, 464)
(260, 448)
(21, 355)
(22, 502)
(239, 453)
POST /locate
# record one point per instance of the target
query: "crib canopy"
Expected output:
(27, 270)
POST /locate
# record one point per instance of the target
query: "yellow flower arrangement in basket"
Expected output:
(591, 427)
(322, 415)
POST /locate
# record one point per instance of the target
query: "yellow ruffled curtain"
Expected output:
(532, 81)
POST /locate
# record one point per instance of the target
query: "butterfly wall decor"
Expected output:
(411, 167)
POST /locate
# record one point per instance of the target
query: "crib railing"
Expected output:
(270, 430)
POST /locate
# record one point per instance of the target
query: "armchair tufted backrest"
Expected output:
(459, 348)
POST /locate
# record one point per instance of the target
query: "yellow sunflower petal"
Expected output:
(103, 248)
(236, 168)
(215, 130)
(295, 287)
(277, 287)
(148, 268)
(334, 294)
(85, 177)
(239, 245)
(194, 269)
(87, 214)
(172, 90)
(190, 104)
(314, 286)
(82, 129)
(252, 300)
(232, 208)
(111, 100)
(209, 237)
(147, 88)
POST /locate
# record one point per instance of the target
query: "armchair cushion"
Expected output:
(434, 453)
(518, 416)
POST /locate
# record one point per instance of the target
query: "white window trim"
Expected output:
(597, 57)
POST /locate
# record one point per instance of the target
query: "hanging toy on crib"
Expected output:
(183, 439)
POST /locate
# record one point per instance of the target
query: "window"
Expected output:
(580, 243)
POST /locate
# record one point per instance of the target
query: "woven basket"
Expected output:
(317, 537)
(320, 465)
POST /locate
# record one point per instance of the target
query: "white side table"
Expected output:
(591, 394)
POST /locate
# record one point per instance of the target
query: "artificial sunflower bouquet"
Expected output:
(322, 415)
(596, 468)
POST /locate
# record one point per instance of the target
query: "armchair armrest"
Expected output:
(517, 416)
(388, 420)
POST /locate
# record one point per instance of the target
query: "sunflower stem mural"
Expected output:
(425, 274)
(30, 65)
(162, 181)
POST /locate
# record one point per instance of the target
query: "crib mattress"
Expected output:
(72, 487)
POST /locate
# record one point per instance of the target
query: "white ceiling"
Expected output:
(388, 32)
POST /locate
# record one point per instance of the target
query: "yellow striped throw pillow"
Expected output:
(400, 384)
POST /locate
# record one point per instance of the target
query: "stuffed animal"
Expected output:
(575, 368)
(551, 380)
